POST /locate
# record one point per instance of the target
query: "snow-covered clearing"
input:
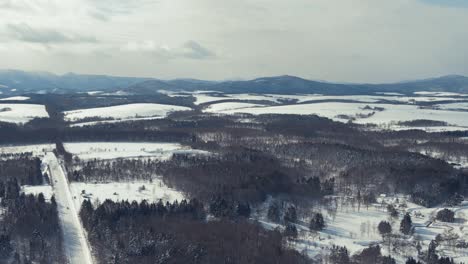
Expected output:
(114, 150)
(125, 111)
(454, 106)
(15, 98)
(93, 123)
(355, 227)
(46, 190)
(122, 191)
(301, 98)
(21, 113)
(230, 106)
(38, 150)
(439, 93)
(75, 243)
(390, 115)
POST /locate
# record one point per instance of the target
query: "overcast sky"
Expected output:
(335, 40)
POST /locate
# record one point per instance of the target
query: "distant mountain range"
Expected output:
(20, 82)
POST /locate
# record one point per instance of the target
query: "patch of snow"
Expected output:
(114, 150)
(439, 93)
(125, 111)
(230, 106)
(391, 114)
(94, 92)
(123, 191)
(21, 113)
(37, 189)
(38, 150)
(15, 98)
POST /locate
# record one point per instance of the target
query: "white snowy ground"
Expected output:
(38, 150)
(125, 112)
(21, 113)
(46, 190)
(357, 229)
(386, 118)
(116, 191)
(15, 98)
(114, 150)
(124, 191)
(460, 162)
(454, 106)
(275, 98)
(75, 243)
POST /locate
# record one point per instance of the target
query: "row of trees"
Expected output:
(30, 231)
(178, 233)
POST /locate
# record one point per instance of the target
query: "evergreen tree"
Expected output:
(290, 215)
(388, 260)
(446, 215)
(243, 209)
(317, 223)
(274, 213)
(432, 257)
(339, 255)
(384, 228)
(412, 261)
(406, 225)
(290, 231)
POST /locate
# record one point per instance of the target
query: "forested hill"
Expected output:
(13, 82)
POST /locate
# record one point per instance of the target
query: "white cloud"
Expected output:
(190, 50)
(339, 40)
(24, 32)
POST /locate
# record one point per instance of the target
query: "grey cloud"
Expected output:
(10, 4)
(105, 9)
(26, 33)
(196, 51)
(190, 50)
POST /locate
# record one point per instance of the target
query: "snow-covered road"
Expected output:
(75, 244)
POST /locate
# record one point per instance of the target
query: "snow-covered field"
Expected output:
(439, 93)
(46, 190)
(356, 228)
(390, 115)
(275, 98)
(122, 191)
(21, 113)
(229, 106)
(114, 150)
(454, 106)
(38, 150)
(15, 98)
(125, 112)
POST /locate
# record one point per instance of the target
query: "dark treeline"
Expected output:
(22, 169)
(67, 102)
(239, 174)
(37, 133)
(177, 233)
(291, 150)
(114, 170)
(30, 230)
(272, 154)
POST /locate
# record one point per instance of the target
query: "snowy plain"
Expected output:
(15, 98)
(21, 113)
(354, 226)
(125, 111)
(115, 150)
(362, 113)
(37, 150)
